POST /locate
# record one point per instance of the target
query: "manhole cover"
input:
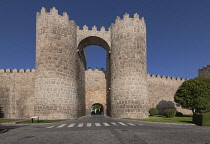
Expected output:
(124, 130)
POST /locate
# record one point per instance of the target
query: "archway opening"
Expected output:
(97, 109)
(95, 57)
(96, 53)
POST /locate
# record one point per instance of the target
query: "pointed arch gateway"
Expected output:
(96, 81)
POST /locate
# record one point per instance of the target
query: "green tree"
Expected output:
(194, 94)
(97, 106)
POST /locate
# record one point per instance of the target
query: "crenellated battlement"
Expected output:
(205, 68)
(166, 77)
(94, 28)
(85, 32)
(53, 12)
(95, 69)
(126, 16)
(204, 72)
(17, 71)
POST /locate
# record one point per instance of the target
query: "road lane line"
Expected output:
(97, 124)
(80, 125)
(106, 124)
(50, 126)
(71, 125)
(122, 123)
(131, 124)
(114, 123)
(61, 126)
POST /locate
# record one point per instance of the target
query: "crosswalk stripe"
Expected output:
(88, 124)
(80, 125)
(97, 124)
(131, 124)
(106, 124)
(61, 126)
(50, 126)
(114, 123)
(122, 123)
(71, 125)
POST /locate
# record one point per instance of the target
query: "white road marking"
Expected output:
(71, 125)
(97, 124)
(80, 125)
(61, 126)
(106, 124)
(88, 124)
(122, 123)
(50, 126)
(113, 123)
(131, 124)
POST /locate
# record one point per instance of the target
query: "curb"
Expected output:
(162, 122)
(3, 130)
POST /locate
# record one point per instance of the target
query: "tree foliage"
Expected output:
(97, 106)
(194, 94)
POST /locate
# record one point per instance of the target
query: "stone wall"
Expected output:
(128, 91)
(204, 72)
(17, 93)
(161, 92)
(85, 33)
(58, 67)
(95, 89)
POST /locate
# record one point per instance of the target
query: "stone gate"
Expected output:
(61, 87)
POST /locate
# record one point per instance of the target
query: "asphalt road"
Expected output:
(105, 130)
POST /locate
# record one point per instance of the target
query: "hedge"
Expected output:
(169, 113)
(202, 119)
(153, 111)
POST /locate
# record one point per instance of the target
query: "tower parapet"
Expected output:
(204, 72)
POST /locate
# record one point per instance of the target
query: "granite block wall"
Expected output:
(95, 89)
(161, 92)
(128, 93)
(58, 68)
(17, 93)
(204, 72)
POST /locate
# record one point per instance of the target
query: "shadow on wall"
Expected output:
(1, 112)
(163, 105)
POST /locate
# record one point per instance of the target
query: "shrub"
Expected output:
(194, 94)
(179, 114)
(153, 111)
(202, 119)
(170, 113)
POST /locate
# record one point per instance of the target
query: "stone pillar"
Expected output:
(128, 68)
(56, 53)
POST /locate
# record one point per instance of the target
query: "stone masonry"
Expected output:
(62, 88)
(204, 72)
(95, 89)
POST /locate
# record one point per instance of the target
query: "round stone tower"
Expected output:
(128, 68)
(56, 58)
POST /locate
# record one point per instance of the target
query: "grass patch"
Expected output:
(40, 121)
(8, 120)
(186, 119)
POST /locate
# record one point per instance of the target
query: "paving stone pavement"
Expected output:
(105, 130)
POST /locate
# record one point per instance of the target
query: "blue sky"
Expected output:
(178, 31)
